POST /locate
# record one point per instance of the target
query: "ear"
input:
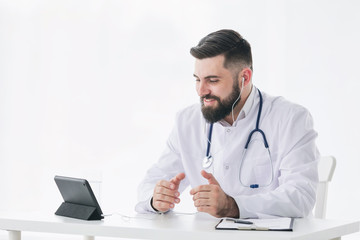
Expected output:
(246, 73)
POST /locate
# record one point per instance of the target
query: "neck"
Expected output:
(244, 96)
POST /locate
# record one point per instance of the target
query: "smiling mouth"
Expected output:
(209, 101)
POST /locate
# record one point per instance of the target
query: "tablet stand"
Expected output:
(78, 211)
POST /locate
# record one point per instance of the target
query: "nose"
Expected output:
(202, 88)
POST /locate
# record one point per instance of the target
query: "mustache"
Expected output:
(209, 96)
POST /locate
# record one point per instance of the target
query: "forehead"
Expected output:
(210, 66)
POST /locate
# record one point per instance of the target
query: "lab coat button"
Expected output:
(226, 167)
(228, 130)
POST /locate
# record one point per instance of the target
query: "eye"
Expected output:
(214, 80)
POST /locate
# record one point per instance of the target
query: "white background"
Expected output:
(90, 88)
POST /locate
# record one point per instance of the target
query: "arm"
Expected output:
(160, 175)
(296, 194)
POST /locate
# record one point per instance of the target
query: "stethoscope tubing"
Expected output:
(209, 141)
(257, 129)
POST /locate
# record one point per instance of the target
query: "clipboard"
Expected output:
(271, 224)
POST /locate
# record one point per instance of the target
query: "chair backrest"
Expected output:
(326, 170)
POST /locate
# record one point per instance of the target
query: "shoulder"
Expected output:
(281, 107)
(283, 114)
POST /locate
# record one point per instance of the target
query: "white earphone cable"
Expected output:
(232, 108)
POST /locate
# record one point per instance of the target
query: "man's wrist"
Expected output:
(151, 204)
(157, 211)
(232, 208)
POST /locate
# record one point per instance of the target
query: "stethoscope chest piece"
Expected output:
(207, 162)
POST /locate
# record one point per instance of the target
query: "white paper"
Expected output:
(258, 224)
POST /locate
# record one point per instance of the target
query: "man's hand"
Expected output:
(166, 193)
(213, 200)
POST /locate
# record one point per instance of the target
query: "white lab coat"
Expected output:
(289, 131)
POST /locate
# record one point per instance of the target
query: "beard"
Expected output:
(224, 108)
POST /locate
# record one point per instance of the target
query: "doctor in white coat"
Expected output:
(245, 153)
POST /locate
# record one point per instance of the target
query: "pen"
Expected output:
(243, 222)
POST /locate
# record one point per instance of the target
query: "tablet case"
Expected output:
(78, 211)
(79, 199)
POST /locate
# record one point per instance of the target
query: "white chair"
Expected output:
(326, 169)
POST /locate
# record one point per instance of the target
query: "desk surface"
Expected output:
(174, 226)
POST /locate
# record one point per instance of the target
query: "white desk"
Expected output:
(169, 226)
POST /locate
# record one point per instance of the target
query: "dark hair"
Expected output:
(236, 49)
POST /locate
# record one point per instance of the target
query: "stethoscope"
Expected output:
(209, 160)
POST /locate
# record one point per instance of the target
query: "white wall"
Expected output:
(90, 88)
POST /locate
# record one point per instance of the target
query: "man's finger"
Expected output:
(165, 198)
(201, 195)
(165, 191)
(162, 206)
(201, 188)
(166, 184)
(202, 203)
(207, 209)
(211, 179)
(178, 178)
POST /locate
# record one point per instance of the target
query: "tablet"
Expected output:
(77, 191)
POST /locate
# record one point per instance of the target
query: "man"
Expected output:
(275, 175)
